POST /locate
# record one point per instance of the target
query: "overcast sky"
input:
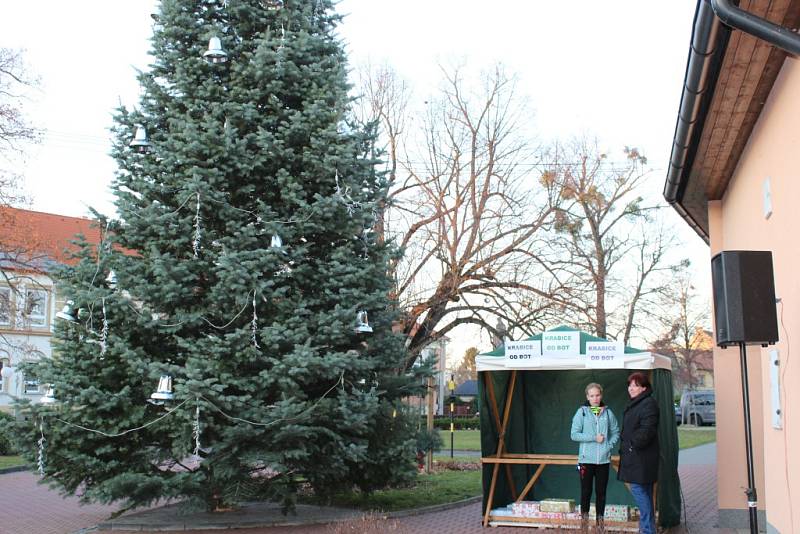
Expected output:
(609, 69)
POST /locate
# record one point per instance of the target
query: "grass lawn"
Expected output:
(690, 436)
(470, 440)
(428, 490)
(450, 486)
(11, 461)
(463, 440)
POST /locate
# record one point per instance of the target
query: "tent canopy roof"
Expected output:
(634, 358)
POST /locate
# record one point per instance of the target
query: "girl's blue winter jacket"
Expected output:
(586, 426)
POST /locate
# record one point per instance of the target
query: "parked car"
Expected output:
(699, 407)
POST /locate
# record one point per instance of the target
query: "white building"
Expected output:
(31, 243)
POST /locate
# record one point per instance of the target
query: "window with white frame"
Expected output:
(4, 362)
(5, 306)
(31, 387)
(35, 307)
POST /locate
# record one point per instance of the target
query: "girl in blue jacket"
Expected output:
(595, 428)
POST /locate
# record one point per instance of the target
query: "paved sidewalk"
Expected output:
(30, 508)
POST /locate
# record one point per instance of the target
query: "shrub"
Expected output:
(459, 423)
(6, 430)
(428, 440)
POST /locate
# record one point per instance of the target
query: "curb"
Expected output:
(434, 508)
(14, 469)
(110, 526)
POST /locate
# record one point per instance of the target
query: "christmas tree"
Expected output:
(236, 280)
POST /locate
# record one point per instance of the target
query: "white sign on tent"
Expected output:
(605, 354)
(523, 353)
(557, 344)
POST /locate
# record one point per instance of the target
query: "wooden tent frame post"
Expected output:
(499, 426)
(501, 442)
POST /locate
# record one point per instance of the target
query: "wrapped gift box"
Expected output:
(525, 508)
(617, 512)
(613, 512)
(548, 515)
(557, 505)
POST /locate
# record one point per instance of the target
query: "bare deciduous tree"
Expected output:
(15, 129)
(651, 276)
(611, 242)
(465, 206)
(683, 338)
(19, 251)
(14, 78)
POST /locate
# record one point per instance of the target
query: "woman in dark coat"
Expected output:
(638, 454)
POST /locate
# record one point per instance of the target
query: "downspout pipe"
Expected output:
(776, 35)
(709, 41)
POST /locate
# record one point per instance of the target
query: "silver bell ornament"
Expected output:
(67, 312)
(215, 53)
(49, 397)
(164, 391)
(140, 142)
(111, 280)
(276, 241)
(362, 323)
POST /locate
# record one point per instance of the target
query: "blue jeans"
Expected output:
(643, 495)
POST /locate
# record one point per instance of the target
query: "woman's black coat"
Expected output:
(638, 450)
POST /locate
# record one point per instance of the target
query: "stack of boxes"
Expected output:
(564, 509)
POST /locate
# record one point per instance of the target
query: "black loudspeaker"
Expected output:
(744, 297)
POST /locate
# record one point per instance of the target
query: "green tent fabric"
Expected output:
(542, 408)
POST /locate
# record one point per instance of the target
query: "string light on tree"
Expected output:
(196, 428)
(255, 323)
(104, 333)
(41, 442)
(196, 241)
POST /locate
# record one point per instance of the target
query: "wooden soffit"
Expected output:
(748, 72)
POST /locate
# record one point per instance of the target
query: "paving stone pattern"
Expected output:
(28, 507)
(31, 508)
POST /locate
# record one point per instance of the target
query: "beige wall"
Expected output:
(738, 222)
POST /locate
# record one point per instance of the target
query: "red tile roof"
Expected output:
(43, 235)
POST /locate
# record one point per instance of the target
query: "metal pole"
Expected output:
(429, 459)
(451, 385)
(752, 499)
(452, 427)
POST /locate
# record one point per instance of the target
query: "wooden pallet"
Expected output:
(568, 524)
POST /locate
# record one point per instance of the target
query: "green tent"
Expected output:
(544, 400)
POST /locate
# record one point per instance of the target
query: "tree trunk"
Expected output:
(600, 318)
